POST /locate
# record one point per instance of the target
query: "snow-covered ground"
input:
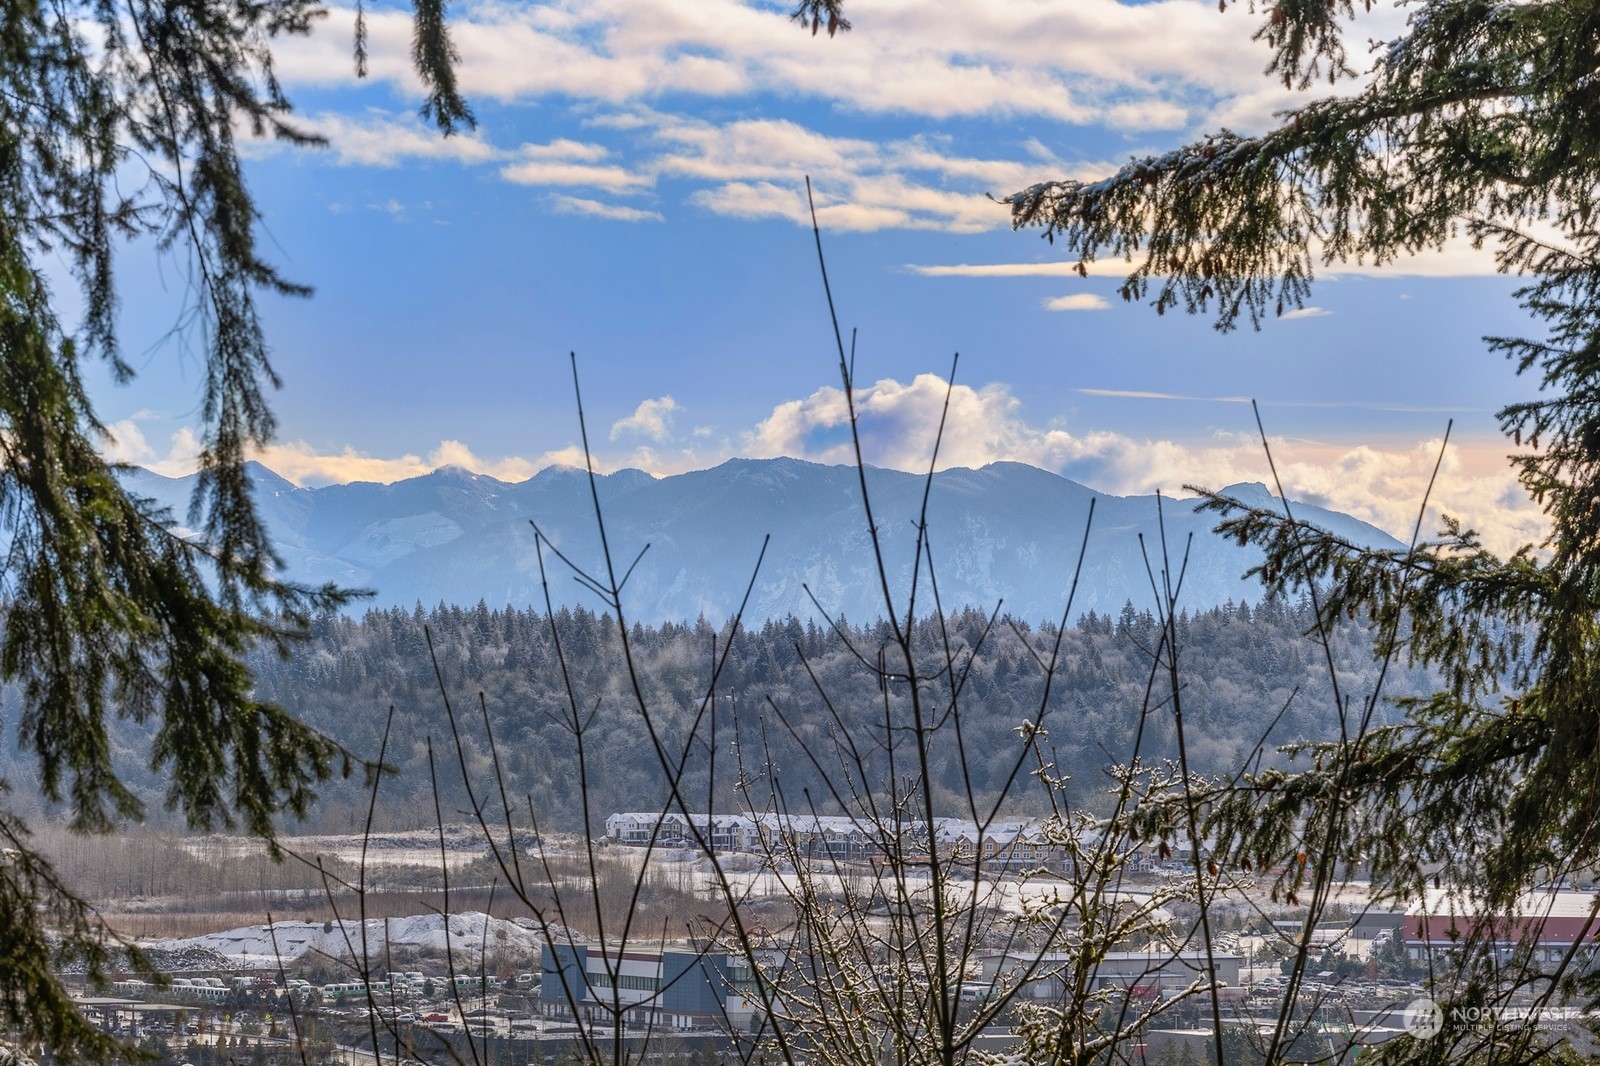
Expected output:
(465, 935)
(463, 844)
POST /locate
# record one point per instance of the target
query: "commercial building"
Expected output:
(1548, 923)
(664, 989)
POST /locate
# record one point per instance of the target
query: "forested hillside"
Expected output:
(1241, 666)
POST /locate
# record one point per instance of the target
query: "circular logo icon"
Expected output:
(1423, 1018)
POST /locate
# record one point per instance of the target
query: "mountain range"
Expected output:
(1007, 532)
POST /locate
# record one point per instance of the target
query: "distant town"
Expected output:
(525, 990)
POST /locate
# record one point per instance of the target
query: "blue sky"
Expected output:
(633, 193)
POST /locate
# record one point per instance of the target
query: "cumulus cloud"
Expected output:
(124, 442)
(1383, 485)
(1078, 301)
(651, 419)
(1306, 312)
(898, 422)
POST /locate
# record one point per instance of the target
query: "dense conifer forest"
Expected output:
(1245, 668)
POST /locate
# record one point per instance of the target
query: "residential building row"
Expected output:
(1026, 842)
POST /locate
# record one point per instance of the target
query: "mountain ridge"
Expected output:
(1005, 532)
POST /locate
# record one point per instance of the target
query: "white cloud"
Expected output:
(898, 423)
(1167, 65)
(305, 464)
(1382, 485)
(757, 168)
(391, 207)
(381, 139)
(1458, 258)
(1161, 65)
(565, 172)
(562, 148)
(1060, 269)
(652, 419)
(1307, 312)
(182, 457)
(1078, 301)
(124, 442)
(569, 162)
(577, 205)
(1142, 394)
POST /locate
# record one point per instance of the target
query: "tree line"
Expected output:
(1253, 681)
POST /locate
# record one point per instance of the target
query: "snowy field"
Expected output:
(467, 935)
(463, 844)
